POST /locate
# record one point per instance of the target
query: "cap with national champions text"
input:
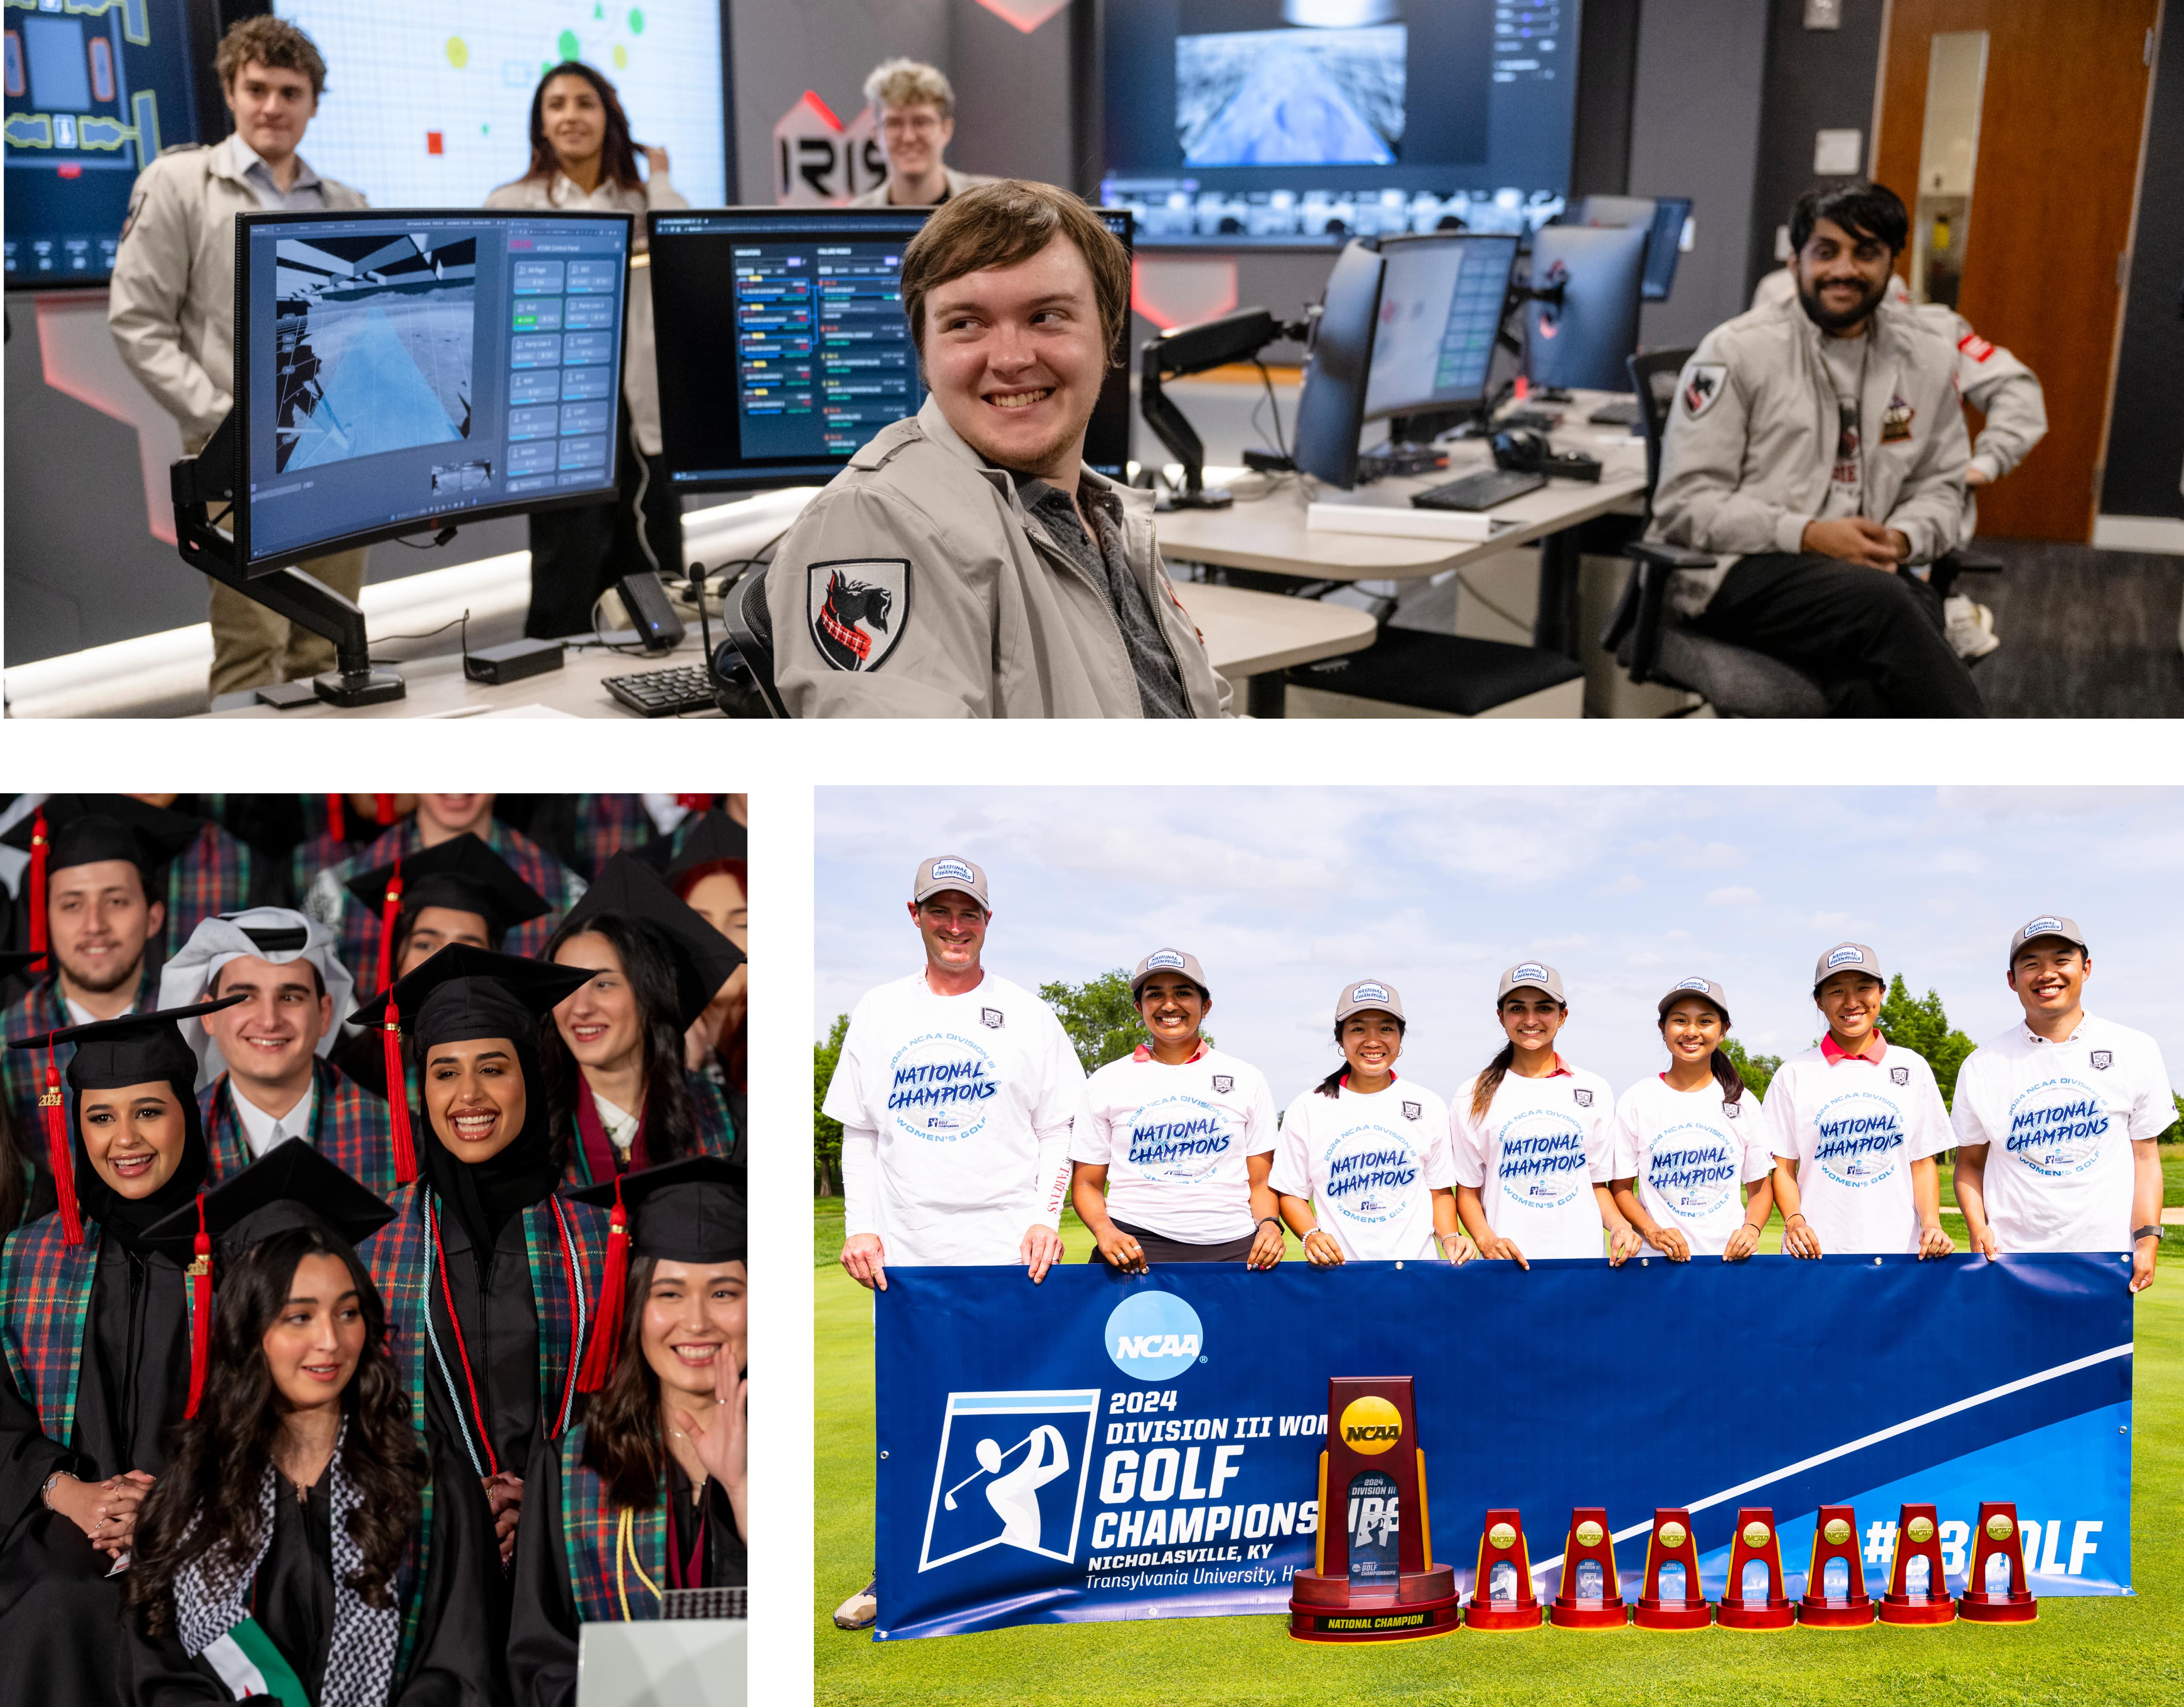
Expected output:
(1530, 974)
(1169, 960)
(1705, 988)
(945, 872)
(2046, 925)
(1846, 956)
(1368, 993)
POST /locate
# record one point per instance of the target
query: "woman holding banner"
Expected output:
(1531, 1145)
(1686, 1138)
(1362, 1167)
(1173, 1142)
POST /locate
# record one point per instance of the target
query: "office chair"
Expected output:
(1648, 639)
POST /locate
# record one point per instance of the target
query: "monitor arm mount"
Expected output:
(1234, 337)
(200, 482)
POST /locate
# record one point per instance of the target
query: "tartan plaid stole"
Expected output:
(350, 1127)
(395, 1257)
(606, 824)
(45, 1299)
(716, 1133)
(611, 1552)
(212, 875)
(359, 924)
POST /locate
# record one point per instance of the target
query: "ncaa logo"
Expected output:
(1154, 1335)
(1011, 1472)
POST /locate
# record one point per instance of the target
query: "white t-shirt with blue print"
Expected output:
(1370, 1164)
(1691, 1152)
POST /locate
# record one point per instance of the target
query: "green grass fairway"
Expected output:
(2084, 1653)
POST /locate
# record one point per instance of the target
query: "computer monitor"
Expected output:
(1442, 299)
(1331, 412)
(400, 370)
(1663, 218)
(1584, 339)
(819, 356)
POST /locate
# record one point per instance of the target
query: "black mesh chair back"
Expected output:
(1654, 377)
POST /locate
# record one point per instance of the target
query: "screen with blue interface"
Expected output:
(398, 370)
(1441, 306)
(95, 89)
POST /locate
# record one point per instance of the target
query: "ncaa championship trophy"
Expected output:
(1591, 1598)
(1835, 1537)
(1671, 1544)
(1756, 1542)
(1372, 1576)
(1501, 1597)
(1917, 1540)
(1998, 1537)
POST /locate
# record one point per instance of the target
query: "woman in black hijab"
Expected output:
(97, 1325)
(489, 1278)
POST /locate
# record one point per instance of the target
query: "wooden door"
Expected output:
(2059, 139)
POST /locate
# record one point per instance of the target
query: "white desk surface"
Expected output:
(1247, 634)
(1269, 533)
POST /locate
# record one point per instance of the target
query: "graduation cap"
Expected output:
(694, 1210)
(15, 960)
(703, 956)
(70, 830)
(711, 837)
(291, 1186)
(134, 1049)
(463, 874)
(460, 993)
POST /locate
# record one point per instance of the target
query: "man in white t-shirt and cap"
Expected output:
(1174, 1142)
(955, 1090)
(1855, 1126)
(2057, 1120)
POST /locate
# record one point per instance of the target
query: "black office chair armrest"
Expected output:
(1667, 556)
(1646, 599)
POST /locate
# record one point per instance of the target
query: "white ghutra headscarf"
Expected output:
(275, 935)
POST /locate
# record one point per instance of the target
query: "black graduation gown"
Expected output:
(57, 1604)
(542, 1637)
(499, 1321)
(457, 1660)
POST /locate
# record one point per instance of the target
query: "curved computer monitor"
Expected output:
(1441, 306)
(1585, 339)
(396, 371)
(1331, 412)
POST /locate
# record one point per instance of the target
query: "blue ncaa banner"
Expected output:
(1102, 1447)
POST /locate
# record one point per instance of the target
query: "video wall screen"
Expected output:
(1278, 122)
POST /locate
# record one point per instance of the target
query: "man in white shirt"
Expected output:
(1855, 1126)
(955, 1090)
(2057, 1120)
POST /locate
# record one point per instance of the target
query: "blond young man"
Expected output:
(916, 108)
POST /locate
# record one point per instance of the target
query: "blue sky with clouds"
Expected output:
(1285, 894)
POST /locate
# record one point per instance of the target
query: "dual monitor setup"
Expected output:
(399, 373)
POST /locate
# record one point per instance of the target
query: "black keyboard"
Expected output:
(1479, 490)
(1623, 412)
(664, 693)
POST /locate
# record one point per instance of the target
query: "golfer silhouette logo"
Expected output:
(1011, 1475)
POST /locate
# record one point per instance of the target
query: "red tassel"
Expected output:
(337, 817)
(38, 882)
(694, 803)
(200, 1312)
(57, 1153)
(383, 809)
(606, 1325)
(397, 1096)
(389, 911)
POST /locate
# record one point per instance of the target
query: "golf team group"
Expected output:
(967, 1122)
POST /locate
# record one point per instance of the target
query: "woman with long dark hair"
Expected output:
(1693, 1166)
(95, 1321)
(1362, 1165)
(622, 1097)
(649, 1494)
(1533, 1149)
(286, 1550)
(488, 1274)
(582, 158)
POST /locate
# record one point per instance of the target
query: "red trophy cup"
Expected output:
(1835, 1535)
(1671, 1544)
(1918, 1536)
(1372, 1577)
(1756, 1539)
(1501, 1597)
(1591, 1598)
(1998, 1537)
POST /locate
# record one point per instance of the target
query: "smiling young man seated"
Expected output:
(967, 564)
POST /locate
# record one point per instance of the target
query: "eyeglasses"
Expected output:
(910, 123)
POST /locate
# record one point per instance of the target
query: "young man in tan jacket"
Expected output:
(171, 306)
